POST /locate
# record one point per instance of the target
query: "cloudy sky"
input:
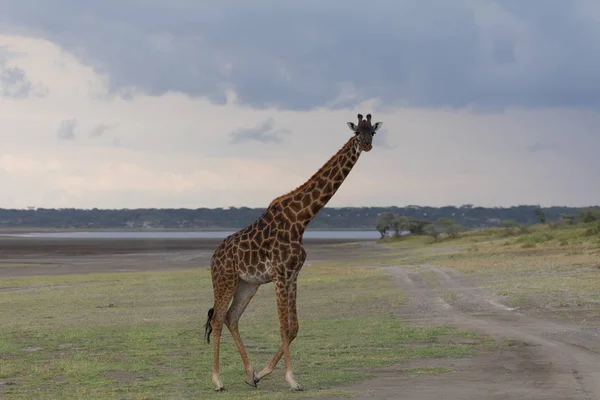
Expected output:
(187, 103)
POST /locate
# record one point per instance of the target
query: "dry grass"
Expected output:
(539, 269)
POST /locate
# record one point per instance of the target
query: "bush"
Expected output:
(417, 226)
(587, 215)
(433, 232)
(524, 229)
(450, 227)
(593, 230)
(512, 228)
(534, 238)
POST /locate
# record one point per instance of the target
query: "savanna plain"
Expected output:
(511, 313)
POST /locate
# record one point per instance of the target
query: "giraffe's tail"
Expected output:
(207, 326)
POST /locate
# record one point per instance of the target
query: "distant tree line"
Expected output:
(401, 224)
(413, 218)
(397, 224)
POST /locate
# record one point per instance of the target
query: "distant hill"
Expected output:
(232, 218)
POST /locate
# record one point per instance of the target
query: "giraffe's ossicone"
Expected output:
(270, 250)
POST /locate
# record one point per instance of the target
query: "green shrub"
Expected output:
(587, 215)
(535, 238)
(593, 230)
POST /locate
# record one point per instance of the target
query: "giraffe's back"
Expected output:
(248, 252)
(255, 251)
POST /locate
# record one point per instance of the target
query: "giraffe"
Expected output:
(270, 250)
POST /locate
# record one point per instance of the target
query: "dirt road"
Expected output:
(545, 359)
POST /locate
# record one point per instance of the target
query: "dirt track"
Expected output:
(545, 360)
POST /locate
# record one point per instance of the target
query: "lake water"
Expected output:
(187, 235)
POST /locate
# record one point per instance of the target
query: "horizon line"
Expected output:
(224, 208)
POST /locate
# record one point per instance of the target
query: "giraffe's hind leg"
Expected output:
(223, 292)
(243, 294)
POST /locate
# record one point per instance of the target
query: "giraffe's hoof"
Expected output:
(220, 389)
(255, 380)
(298, 388)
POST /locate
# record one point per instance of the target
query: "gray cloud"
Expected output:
(487, 54)
(265, 133)
(539, 147)
(13, 82)
(66, 130)
(100, 130)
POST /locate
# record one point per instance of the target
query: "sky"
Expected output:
(188, 103)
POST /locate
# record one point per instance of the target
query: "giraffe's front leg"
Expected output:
(282, 291)
(292, 329)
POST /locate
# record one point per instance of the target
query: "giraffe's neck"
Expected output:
(302, 204)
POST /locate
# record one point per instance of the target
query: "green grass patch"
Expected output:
(532, 239)
(428, 370)
(17, 265)
(593, 229)
(139, 335)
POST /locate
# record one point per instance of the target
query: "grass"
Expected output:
(17, 265)
(138, 335)
(428, 370)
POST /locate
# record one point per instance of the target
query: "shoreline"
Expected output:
(21, 257)
(14, 246)
(21, 230)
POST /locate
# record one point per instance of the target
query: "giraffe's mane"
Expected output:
(314, 176)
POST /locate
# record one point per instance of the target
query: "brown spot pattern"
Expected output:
(270, 249)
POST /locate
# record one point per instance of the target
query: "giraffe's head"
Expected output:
(364, 131)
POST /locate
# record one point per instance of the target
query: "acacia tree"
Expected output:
(432, 231)
(417, 226)
(400, 224)
(450, 227)
(382, 229)
(385, 222)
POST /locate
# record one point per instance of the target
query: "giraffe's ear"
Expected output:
(352, 126)
(377, 126)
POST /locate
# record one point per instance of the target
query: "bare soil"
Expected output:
(540, 358)
(43, 257)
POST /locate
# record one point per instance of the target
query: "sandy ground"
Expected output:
(545, 359)
(35, 257)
